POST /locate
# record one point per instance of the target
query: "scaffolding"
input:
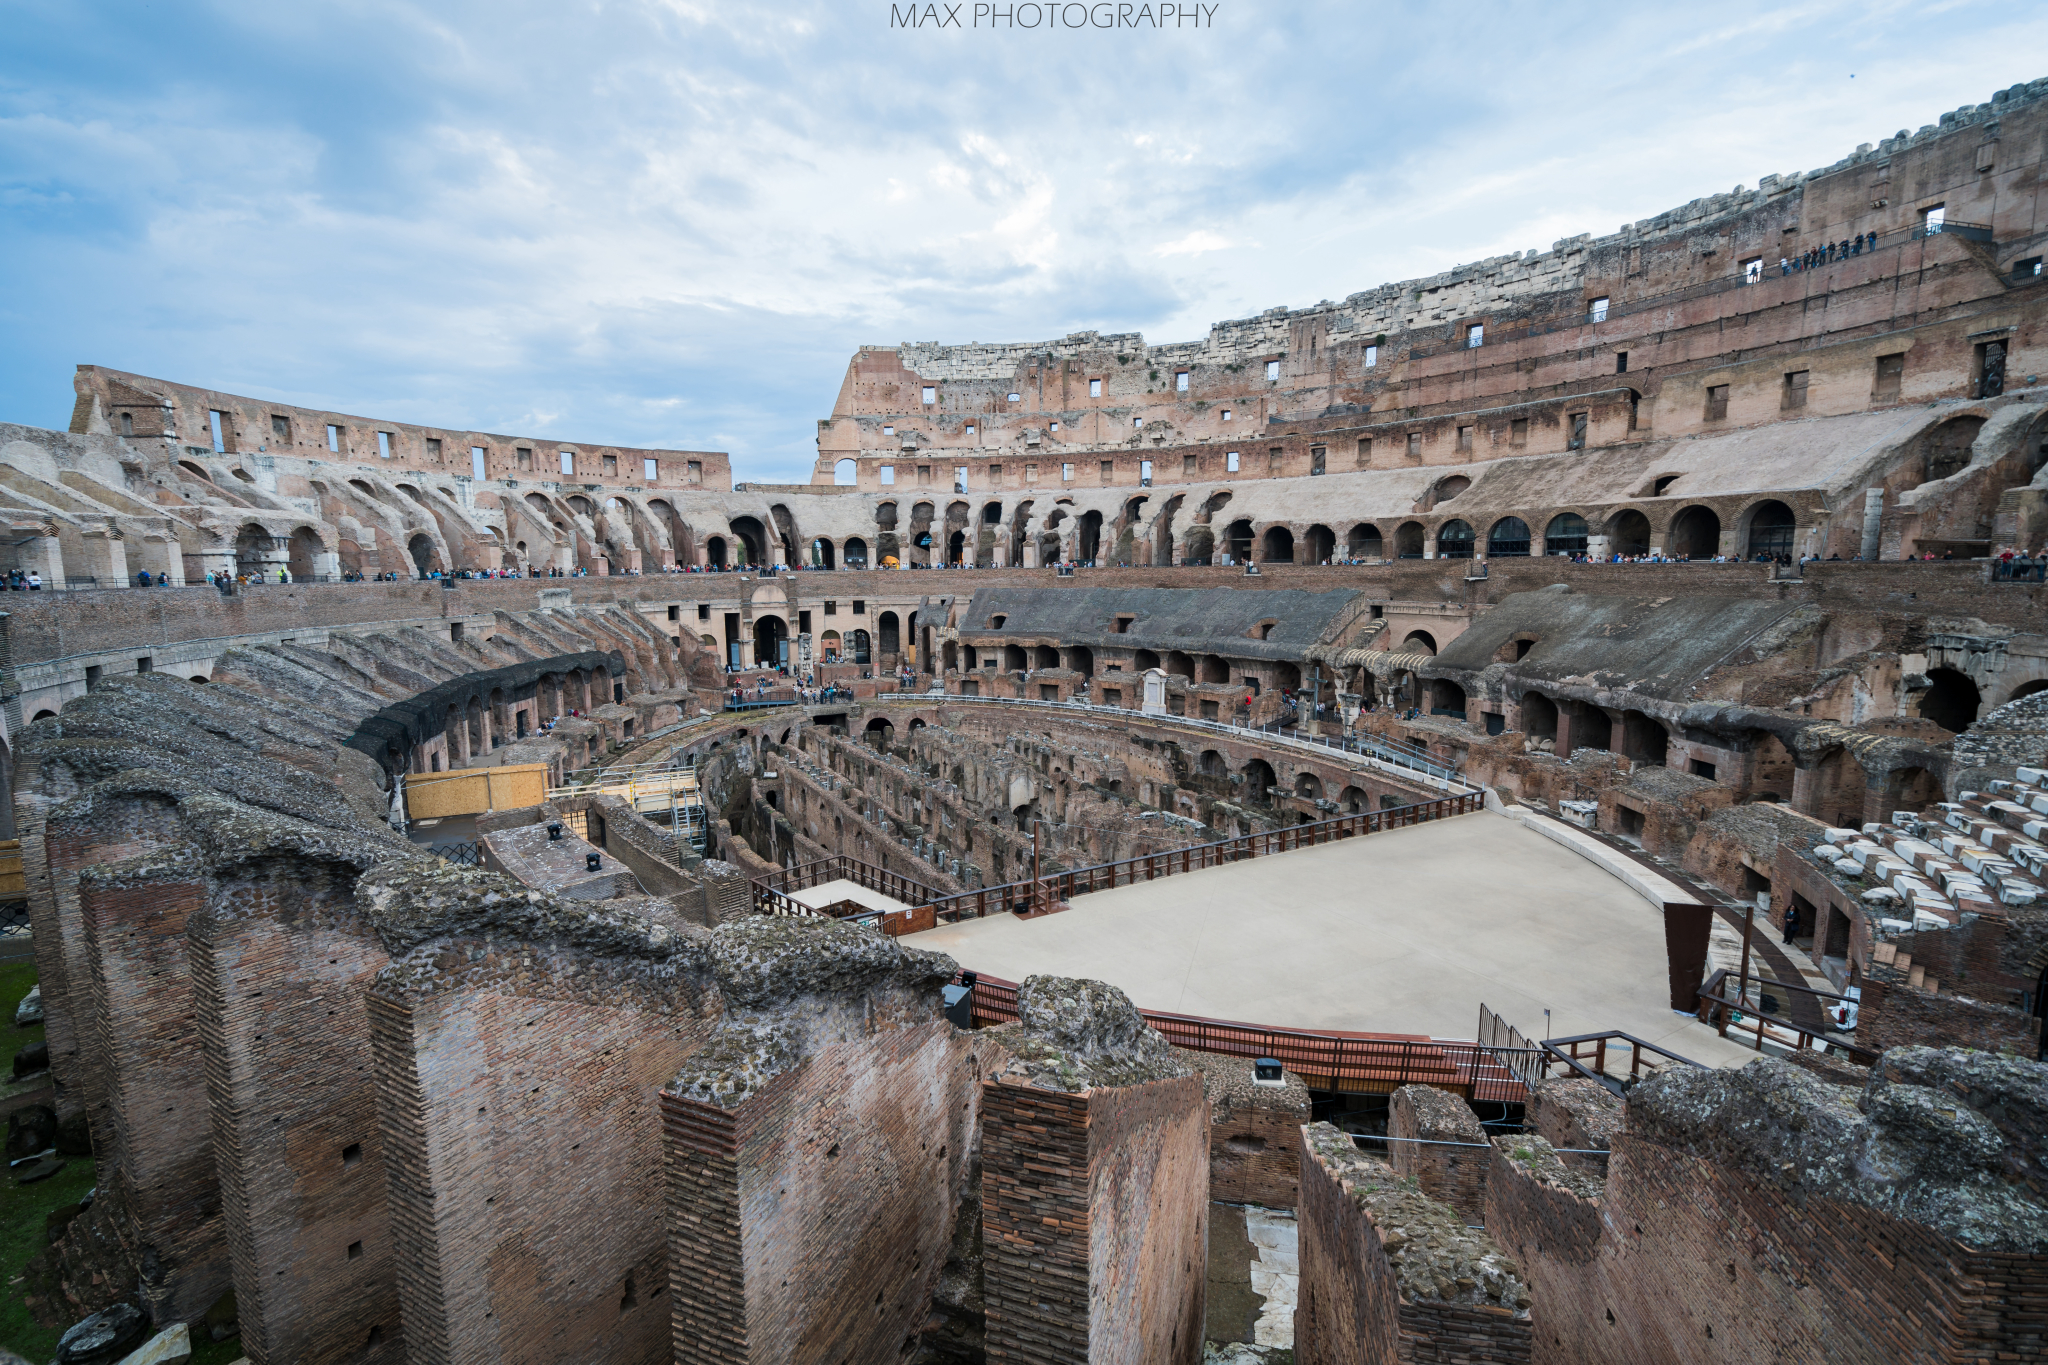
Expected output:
(666, 787)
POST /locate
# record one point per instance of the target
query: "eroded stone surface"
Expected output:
(1073, 1035)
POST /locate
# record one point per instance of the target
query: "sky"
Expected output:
(672, 222)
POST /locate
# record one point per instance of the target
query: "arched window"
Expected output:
(845, 472)
(1770, 530)
(1566, 535)
(1454, 540)
(1509, 536)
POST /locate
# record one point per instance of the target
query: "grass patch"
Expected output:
(16, 979)
(21, 1236)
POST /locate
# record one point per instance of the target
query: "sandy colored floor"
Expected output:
(1402, 932)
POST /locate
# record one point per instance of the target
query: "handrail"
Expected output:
(846, 867)
(1714, 993)
(1062, 886)
(1574, 1060)
(1329, 1060)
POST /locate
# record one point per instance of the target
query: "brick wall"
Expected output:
(517, 1087)
(1455, 1175)
(1091, 1204)
(1894, 1014)
(1699, 1263)
(157, 1134)
(810, 1222)
(1578, 1115)
(1254, 1131)
(280, 961)
(1349, 1306)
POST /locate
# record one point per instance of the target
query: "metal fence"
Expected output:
(462, 852)
(17, 939)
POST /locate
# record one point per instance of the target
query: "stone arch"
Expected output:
(891, 631)
(1644, 738)
(1308, 785)
(1199, 546)
(1276, 546)
(1446, 696)
(845, 472)
(1409, 539)
(1258, 776)
(1088, 541)
(1454, 540)
(823, 555)
(1180, 665)
(1419, 642)
(304, 548)
(1768, 529)
(1539, 716)
(1321, 544)
(1447, 488)
(771, 640)
(1628, 532)
(425, 558)
(879, 733)
(1362, 541)
(753, 537)
(1237, 541)
(1912, 789)
(856, 553)
(1695, 533)
(1212, 764)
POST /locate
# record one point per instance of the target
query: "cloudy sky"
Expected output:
(670, 222)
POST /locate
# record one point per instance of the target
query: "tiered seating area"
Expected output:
(1978, 854)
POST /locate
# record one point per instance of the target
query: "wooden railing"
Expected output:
(1360, 1063)
(1718, 1006)
(1063, 886)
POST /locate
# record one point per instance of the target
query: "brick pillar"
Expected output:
(811, 1198)
(280, 961)
(157, 1132)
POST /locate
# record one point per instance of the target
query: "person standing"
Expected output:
(1791, 922)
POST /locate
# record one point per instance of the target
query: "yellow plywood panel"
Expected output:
(13, 885)
(473, 791)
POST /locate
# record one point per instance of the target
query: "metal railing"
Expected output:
(1969, 232)
(1369, 1063)
(1412, 756)
(2010, 571)
(461, 852)
(1588, 1055)
(841, 867)
(1031, 895)
(1723, 1011)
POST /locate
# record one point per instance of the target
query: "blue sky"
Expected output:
(670, 222)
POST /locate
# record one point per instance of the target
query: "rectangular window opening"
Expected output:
(888, 473)
(1621, 362)
(1108, 470)
(650, 470)
(220, 443)
(1518, 431)
(1795, 390)
(1095, 388)
(434, 449)
(1596, 310)
(333, 437)
(1717, 402)
(1414, 445)
(383, 445)
(1364, 451)
(1464, 438)
(1180, 381)
(1318, 459)
(1066, 473)
(479, 466)
(568, 461)
(1230, 462)
(1891, 373)
(1272, 369)
(695, 470)
(1753, 270)
(931, 393)
(1475, 335)
(1372, 356)
(959, 478)
(1577, 425)
(525, 458)
(1226, 414)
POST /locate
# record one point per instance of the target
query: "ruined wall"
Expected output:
(280, 960)
(1388, 1273)
(1576, 1116)
(1253, 1131)
(518, 1085)
(1455, 1175)
(815, 1148)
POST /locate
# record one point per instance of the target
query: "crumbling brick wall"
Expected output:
(816, 1147)
(1254, 1131)
(1455, 1174)
(1388, 1273)
(518, 1076)
(1893, 1014)
(280, 960)
(1576, 1116)
(1095, 1185)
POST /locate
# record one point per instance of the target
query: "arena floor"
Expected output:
(1402, 932)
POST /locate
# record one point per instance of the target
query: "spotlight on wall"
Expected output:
(592, 862)
(554, 833)
(1268, 1071)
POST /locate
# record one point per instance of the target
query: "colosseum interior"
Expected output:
(1087, 876)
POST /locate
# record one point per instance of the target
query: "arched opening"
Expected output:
(195, 470)
(753, 539)
(1952, 700)
(1199, 547)
(828, 645)
(1409, 538)
(956, 546)
(1237, 541)
(1277, 546)
(1362, 541)
(1912, 789)
(1566, 535)
(44, 715)
(1144, 660)
(890, 629)
(1629, 533)
(1259, 780)
(845, 473)
(1081, 659)
(1308, 785)
(1013, 659)
(1419, 642)
(949, 656)
(1695, 534)
(1045, 656)
(879, 733)
(1322, 544)
(305, 544)
(822, 554)
(1449, 488)
(856, 553)
(714, 552)
(771, 641)
(1454, 540)
(1089, 541)
(1644, 738)
(858, 643)
(1211, 764)
(1771, 525)
(1215, 669)
(992, 514)
(422, 551)
(1354, 801)
(1539, 716)
(1509, 537)
(1180, 665)
(1446, 698)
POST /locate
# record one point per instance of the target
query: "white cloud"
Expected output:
(1195, 243)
